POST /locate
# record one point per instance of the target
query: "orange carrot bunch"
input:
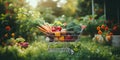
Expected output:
(46, 28)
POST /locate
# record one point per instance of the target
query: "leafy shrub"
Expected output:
(83, 50)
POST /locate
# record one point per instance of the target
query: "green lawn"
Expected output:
(84, 49)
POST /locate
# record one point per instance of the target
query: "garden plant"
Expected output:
(28, 31)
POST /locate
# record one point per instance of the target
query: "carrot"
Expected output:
(46, 28)
(49, 27)
(41, 29)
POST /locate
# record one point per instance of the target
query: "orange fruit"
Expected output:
(61, 38)
(57, 33)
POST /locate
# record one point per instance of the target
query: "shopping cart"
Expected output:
(55, 38)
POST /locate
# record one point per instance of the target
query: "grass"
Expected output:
(84, 49)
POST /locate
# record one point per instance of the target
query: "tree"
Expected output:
(84, 8)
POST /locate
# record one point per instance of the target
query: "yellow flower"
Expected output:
(13, 34)
(6, 35)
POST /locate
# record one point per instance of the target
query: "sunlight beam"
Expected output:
(32, 3)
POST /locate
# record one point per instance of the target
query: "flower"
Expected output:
(103, 26)
(103, 29)
(6, 35)
(115, 29)
(104, 32)
(13, 34)
(106, 28)
(8, 28)
(98, 28)
(83, 26)
(99, 32)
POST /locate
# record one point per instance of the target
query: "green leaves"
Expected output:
(85, 49)
(72, 26)
(20, 39)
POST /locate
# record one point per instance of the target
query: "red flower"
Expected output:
(8, 28)
(115, 28)
(106, 28)
(103, 26)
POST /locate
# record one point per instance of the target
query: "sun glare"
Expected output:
(33, 3)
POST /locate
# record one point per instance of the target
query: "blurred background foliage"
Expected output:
(19, 17)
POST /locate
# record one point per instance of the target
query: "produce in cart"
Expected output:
(65, 33)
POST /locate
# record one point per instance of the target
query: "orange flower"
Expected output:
(8, 28)
(103, 26)
(99, 32)
(98, 28)
(110, 33)
(108, 38)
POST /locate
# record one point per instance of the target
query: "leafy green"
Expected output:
(72, 26)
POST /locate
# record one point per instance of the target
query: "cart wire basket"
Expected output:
(58, 37)
(69, 36)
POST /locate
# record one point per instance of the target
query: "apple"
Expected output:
(53, 29)
(56, 28)
(59, 28)
(68, 37)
